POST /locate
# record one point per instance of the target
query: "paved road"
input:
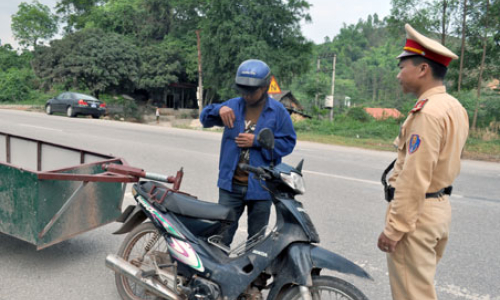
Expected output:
(343, 197)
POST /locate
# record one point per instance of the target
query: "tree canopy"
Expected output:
(145, 46)
(98, 60)
(33, 23)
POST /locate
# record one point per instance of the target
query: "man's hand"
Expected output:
(245, 140)
(227, 115)
(385, 244)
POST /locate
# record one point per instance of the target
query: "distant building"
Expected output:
(383, 113)
(291, 103)
(179, 96)
(494, 85)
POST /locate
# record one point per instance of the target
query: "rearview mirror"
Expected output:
(266, 138)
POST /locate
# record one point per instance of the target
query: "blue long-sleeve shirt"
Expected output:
(273, 116)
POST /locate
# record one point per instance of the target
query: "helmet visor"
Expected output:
(246, 90)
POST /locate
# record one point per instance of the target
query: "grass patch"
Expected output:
(379, 135)
(376, 144)
(482, 150)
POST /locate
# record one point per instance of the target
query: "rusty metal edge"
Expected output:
(56, 145)
(121, 160)
(53, 174)
(18, 238)
(43, 246)
(103, 177)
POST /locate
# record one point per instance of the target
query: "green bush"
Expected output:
(16, 85)
(130, 109)
(358, 113)
(488, 110)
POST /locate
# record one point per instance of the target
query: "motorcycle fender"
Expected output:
(131, 217)
(299, 261)
(324, 259)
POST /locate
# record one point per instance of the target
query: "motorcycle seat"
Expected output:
(187, 205)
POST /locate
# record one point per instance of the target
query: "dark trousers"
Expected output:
(258, 211)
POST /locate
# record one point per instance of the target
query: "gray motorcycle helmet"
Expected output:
(251, 75)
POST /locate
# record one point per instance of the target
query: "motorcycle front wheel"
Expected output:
(326, 288)
(138, 249)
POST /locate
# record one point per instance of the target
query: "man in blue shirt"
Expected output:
(243, 118)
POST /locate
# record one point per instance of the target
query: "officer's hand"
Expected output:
(245, 140)
(227, 116)
(385, 244)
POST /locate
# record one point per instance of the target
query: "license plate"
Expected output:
(93, 106)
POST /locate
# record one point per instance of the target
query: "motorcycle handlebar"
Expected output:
(256, 170)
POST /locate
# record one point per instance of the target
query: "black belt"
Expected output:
(441, 192)
(389, 190)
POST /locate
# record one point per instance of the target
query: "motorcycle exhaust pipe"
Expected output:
(123, 267)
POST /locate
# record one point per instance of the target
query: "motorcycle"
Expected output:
(178, 253)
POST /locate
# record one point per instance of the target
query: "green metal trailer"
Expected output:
(50, 193)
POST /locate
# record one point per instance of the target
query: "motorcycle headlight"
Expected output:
(295, 181)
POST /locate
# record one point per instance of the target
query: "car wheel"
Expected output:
(96, 116)
(48, 109)
(69, 112)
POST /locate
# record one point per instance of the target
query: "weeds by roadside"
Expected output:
(379, 135)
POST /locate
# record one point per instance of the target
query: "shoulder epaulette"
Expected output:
(419, 105)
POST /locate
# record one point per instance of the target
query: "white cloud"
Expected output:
(328, 16)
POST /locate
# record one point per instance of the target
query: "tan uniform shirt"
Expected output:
(429, 145)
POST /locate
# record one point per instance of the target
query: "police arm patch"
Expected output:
(414, 143)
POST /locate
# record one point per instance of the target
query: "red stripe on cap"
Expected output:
(413, 46)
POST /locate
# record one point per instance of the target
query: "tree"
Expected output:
(366, 65)
(16, 84)
(462, 46)
(9, 58)
(486, 22)
(75, 12)
(98, 60)
(415, 12)
(143, 20)
(117, 16)
(233, 31)
(17, 79)
(32, 23)
(160, 67)
(442, 11)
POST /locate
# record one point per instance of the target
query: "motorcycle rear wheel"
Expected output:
(326, 288)
(132, 249)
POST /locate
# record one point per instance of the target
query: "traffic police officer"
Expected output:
(429, 147)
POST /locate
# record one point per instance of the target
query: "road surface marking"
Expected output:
(359, 180)
(40, 127)
(343, 177)
(463, 293)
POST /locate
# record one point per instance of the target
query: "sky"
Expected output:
(328, 16)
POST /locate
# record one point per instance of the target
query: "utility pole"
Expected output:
(333, 86)
(317, 71)
(200, 77)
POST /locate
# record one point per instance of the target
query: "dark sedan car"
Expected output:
(74, 104)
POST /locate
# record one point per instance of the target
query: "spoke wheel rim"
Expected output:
(134, 254)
